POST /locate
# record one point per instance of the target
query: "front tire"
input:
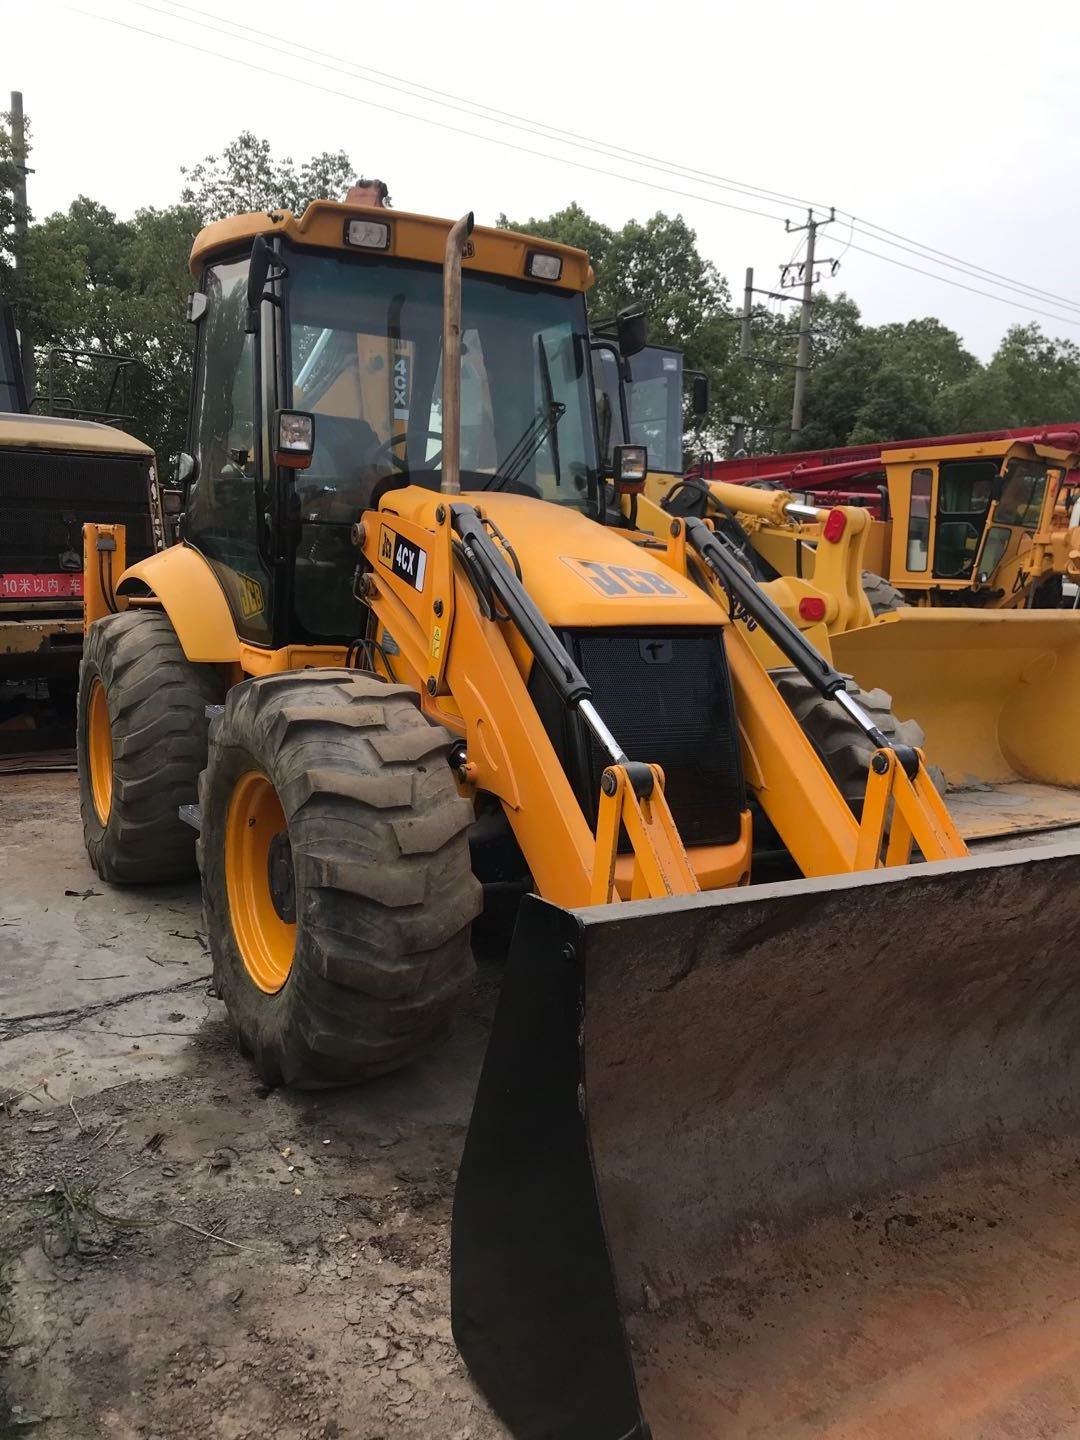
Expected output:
(844, 750)
(337, 888)
(883, 597)
(141, 742)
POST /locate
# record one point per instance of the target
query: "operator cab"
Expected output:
(348, 328)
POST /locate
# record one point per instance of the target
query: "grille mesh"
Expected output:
(666, 697)
(45, 498)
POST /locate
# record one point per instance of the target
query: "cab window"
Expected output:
(221, 514)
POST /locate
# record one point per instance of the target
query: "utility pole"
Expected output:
(18, 144)
(738, 439)
(809, 279)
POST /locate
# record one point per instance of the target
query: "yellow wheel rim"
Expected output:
(256, 836)
(99, 751)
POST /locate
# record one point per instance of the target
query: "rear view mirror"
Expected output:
(699, 395)
(632, 332)
(294, 438)
(185, 469)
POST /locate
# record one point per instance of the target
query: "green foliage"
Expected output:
(245, 177)
(92, 281)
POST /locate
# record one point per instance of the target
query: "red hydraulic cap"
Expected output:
(812, 607)
(835, 525)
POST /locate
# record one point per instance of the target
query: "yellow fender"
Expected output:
(194, 601)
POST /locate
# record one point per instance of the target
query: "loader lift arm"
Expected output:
(896, 773)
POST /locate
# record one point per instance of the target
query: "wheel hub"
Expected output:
(280, 877)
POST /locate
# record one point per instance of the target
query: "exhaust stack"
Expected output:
(451, 356)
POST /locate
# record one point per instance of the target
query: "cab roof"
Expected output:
(51, 432)
(412, 237)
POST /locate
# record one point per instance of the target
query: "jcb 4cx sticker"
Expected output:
(406, 560)
(620, 581)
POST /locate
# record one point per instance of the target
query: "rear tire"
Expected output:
(367, 972)
(143, 704)
(883, 597)
(844, 749)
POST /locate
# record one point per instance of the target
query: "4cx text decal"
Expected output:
(406, 560)
(621, 581)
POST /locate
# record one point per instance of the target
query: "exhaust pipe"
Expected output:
(451, 355)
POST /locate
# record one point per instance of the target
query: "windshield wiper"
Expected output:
(542, 427)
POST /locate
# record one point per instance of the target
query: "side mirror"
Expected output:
(632, 332)
(184, 472)
(630, 466)
(699, 395)
(294, 438)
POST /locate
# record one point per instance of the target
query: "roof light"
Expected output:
(835, 525)
(367, 234)
(812, 608)
(543, 267)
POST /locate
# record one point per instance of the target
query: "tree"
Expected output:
(1031, 380)
(9, 176)
(93, 282)
(655, 264)
(245, 178)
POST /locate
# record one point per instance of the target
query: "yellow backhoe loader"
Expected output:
(509, 648)
(994, 690)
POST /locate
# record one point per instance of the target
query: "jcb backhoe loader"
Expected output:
(682, 1063)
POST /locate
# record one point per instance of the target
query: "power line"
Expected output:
(944, 254)
(609, 149)
(959, 285)
(1026, 291)
(464, 105)
(576, 164)
(421, 119)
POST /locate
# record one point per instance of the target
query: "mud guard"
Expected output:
(669, 1080)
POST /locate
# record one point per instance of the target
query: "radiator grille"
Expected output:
(666, 697)
(45, 498)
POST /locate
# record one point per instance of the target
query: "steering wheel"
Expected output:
(397, 460)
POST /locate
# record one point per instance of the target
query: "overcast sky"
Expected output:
(954, 124)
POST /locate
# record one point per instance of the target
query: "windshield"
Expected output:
(366, 340)
(1022, 494)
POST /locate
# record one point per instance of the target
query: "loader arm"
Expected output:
(478, 621)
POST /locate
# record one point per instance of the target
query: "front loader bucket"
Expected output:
(796, 1161)
(996, 692)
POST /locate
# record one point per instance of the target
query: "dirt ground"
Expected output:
(182, 1252)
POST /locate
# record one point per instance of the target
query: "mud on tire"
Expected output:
(381, 885)
(844, 749)
(156, 701)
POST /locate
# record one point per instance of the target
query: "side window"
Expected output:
(918, 540)
(221, 510)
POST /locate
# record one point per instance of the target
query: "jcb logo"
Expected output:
(621, 581)
(386, 546)
(251, 596)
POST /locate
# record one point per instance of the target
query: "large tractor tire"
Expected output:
(844, 749)
(337, 888)
(884, 598)
(141, 740)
